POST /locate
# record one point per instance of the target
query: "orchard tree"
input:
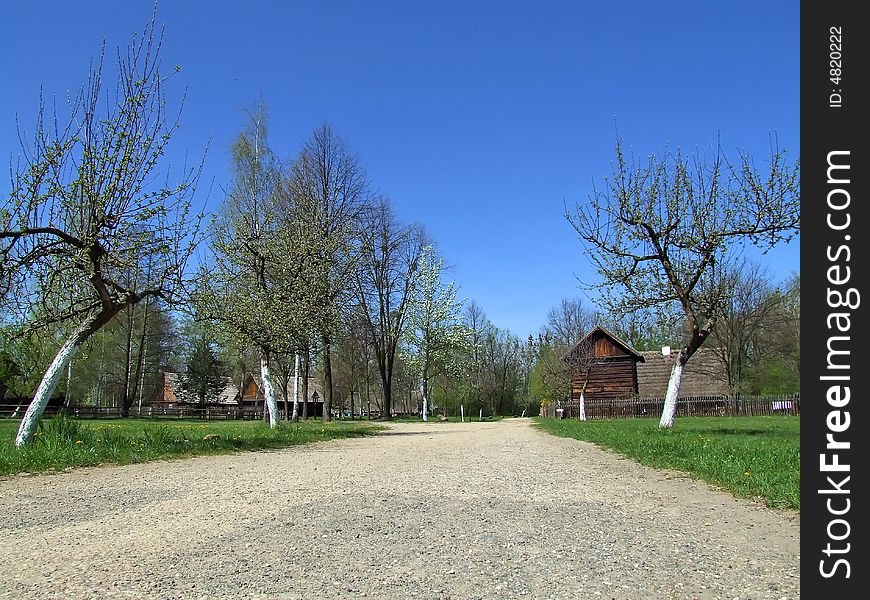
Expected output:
(658, 231)
(436, 334)
(87, 206)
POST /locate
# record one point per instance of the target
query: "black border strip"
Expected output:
(833, 266)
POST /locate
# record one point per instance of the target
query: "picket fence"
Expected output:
(695, 406)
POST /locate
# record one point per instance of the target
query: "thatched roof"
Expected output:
(703, 375)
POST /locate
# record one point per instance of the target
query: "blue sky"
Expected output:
(478, 119)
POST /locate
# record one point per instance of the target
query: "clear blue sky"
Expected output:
(478, 119)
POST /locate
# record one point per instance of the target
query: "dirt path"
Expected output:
(483, 510)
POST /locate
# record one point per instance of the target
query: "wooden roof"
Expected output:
(173, 391)
(598, 332)
(253, 384)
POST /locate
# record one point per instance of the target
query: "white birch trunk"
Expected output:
(49, 382)
(669, 413)
(462, 413)
(269, 392)
(296, 389)
(425, 404)
(582, 407)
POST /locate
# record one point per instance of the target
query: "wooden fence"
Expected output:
(146, 412)
(696, 406)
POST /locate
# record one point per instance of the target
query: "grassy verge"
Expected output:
(64, 443)
(749, 456)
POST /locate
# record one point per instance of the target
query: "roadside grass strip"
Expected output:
(752, 457)
(62, 443)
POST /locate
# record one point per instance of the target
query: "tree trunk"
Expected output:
(296, 389)
(126, 396)
(143, 353)
(669, 412)
(387, 410)
(327, 380)
(582, 399)
(285, 394)
(268, 390)
(305, 368)
(53, 374)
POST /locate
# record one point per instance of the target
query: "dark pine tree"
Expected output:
(204, 378)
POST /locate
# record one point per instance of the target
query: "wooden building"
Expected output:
(703, 375)
(172, 394)
(252, 397)
(617, 380)
(603, 367)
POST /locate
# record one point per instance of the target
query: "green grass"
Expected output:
(63, 443)
(751, 457)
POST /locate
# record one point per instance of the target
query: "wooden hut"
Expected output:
(603, 367)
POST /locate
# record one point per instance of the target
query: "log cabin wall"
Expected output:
(614, 377)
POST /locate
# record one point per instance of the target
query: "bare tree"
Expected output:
(87, 207)
(329, 181)
(656, 232)
(385, 281)
(570, 321)
(744, 319)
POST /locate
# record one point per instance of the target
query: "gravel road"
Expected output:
(438, 510)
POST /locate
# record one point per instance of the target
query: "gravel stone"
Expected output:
(429, 511)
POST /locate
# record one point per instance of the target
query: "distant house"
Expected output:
(252, 397)
(247, 404)
(604, 367)
(172, 393)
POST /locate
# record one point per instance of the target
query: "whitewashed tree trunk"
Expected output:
(269, 391)
(524, 414)
(480, 416)
(582, 407)
(462, 413)
(425, 402)
(296, 389)
(669, 413)
(50, 380)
